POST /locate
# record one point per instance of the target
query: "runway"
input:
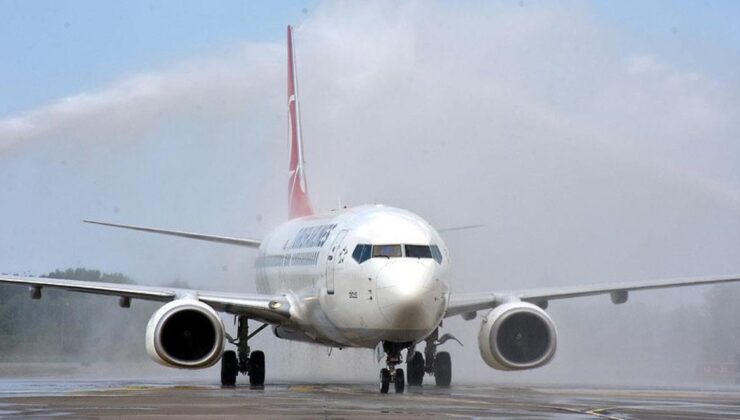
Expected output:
(121, 399)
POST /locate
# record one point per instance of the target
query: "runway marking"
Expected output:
(304, 400)
(598, 412)
(302, 388)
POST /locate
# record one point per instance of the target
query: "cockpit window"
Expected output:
(418, 251)
(436, 254)
(361, 253)
(388, 251)
(364, 252)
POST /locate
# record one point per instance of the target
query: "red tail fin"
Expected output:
(298, 201)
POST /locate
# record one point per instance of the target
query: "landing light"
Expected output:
(275, 305)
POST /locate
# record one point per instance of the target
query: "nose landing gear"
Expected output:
(391, 374)
(244, 360)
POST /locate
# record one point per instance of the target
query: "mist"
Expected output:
(588, 155)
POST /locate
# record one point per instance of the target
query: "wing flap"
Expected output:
(466, 303)
(272, 309)
(113, 289)
(580, 291)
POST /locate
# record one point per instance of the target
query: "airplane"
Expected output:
(371, 276)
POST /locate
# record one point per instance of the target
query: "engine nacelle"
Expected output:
(186, 334)
(516, 336)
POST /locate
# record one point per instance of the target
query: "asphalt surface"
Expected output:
(122, 399)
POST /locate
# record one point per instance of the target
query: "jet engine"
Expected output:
(516, 336)
(185, 334)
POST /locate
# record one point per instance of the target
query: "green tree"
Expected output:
(71, 326)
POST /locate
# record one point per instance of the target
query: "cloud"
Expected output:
(588, 161)
(540, 71)
(137, 101)
(644, 64)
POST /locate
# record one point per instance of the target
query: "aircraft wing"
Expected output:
(472, 302)
(251, 243)
(272, 309)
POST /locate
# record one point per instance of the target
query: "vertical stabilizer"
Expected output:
(298, 202)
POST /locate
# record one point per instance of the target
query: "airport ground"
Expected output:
(79, 398)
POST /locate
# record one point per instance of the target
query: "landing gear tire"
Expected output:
(229, 368)
(415, 366)
(443, 369)
(257, 369)
(399, 383)
(385, 380)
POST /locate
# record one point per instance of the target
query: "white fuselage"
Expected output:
(345, 289)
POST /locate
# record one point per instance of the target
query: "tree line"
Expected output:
(69, 326)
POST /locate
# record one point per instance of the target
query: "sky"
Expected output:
(596, 141)
(51, 50)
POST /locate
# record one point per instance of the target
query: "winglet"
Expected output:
(298, 201)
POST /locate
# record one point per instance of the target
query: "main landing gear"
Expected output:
(432, 362)
(243, 361)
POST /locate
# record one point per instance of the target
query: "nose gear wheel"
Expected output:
(391, 374)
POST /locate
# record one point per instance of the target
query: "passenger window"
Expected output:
(436, 254)
(418, 251)
(361, 253)
(388, 251)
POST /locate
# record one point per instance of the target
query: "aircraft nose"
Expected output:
(409, 296)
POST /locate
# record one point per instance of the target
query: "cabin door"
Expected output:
(335, 259)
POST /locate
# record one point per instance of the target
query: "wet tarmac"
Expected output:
(121, 399)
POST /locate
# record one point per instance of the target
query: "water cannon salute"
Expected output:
(369, 276)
